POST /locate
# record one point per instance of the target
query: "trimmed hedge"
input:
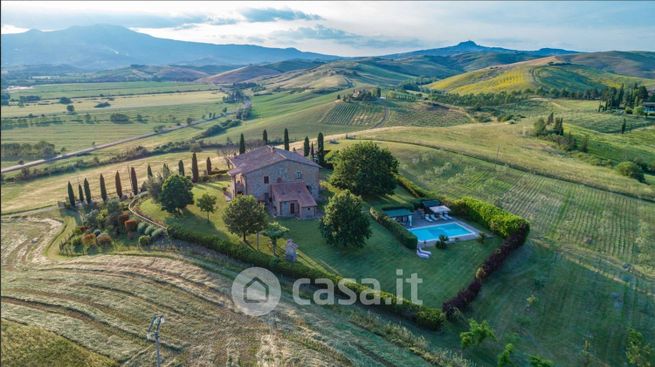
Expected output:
(496, 219)
(407, 238)
(427, 317)
(141, 227)
(511, 227)
(149, 229)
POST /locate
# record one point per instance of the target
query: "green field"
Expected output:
(534, 74)
(75, 90)
(353, 113)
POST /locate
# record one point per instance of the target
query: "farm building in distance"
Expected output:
(283, 180)
(649, 107)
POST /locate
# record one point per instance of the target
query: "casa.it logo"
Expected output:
(256, 291)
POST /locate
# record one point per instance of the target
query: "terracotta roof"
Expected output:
(293, 191)
(264, 156)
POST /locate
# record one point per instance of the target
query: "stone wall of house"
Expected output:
(285, 171)
(284, 210)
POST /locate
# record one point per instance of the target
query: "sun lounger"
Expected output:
(427, 217)
(422, 255)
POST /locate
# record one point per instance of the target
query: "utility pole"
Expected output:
(153, 333)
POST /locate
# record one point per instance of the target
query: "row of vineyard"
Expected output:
(351, 113)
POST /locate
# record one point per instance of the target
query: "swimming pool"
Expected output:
(432, 233)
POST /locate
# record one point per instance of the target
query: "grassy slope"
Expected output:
(33, 346)
(533, 74)
(104, 302)
(574, 261)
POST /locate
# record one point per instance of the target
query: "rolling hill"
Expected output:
(548, 72)
(107, 46)
(636, 63)
(256, 72)
(472, 47)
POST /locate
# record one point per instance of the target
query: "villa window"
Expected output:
(265, 179)
(298, 175)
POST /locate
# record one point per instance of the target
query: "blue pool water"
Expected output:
(432, 233)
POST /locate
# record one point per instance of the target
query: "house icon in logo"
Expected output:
(256, 291)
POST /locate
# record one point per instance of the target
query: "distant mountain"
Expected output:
(549, 72)
(468, 47)
(106, 46)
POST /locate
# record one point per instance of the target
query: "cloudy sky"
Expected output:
(360, 28)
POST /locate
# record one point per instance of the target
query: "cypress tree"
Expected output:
(87, 191)
(71, 195)
(321, 149)
(286, 139)
(119, 186)
(165, 171)
(180, 168)
(312, 152)
(306, 147)
(242, 144)
(209, 165)
(80, 193)
(265, 137)
(149, 171)
(135, 184)
(623, 127)
(194, 168)
(103, 189)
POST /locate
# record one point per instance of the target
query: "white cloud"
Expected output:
(8, 28)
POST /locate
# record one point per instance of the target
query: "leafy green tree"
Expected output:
(477, 333)
(180, 168)
(344, 224)
(133, 181)
(275, 231)
(286, 139)
(154, 187)
(505, 357)
(242, 144)
(630, 169)
(87, 191)
(208, 165)
(244, 215)
(65, 100)
(103, 189)
(176, 194)
(70, 108)
(194, 168)
(305, 147)
(539, 127)
(365, 169)
(71, 195)
(119, 186)
(321, 149)
(265, 137)
(638, 352)
(536, 361)
(207, 203)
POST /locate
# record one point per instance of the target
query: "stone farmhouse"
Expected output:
(285, 181)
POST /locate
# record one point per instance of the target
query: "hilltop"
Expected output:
(549, 72)
(107, 46)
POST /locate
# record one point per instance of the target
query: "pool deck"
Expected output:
(419, 222)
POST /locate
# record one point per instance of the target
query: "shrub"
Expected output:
(414, 189)
(141, 227)
(131, 225)
(104, 239)
(149, 229)
(157, 233)
(630, 169)
(493, 217)
(89, 239)
(144, 240)
(430, 318)
(122, 218)
(405, 237)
